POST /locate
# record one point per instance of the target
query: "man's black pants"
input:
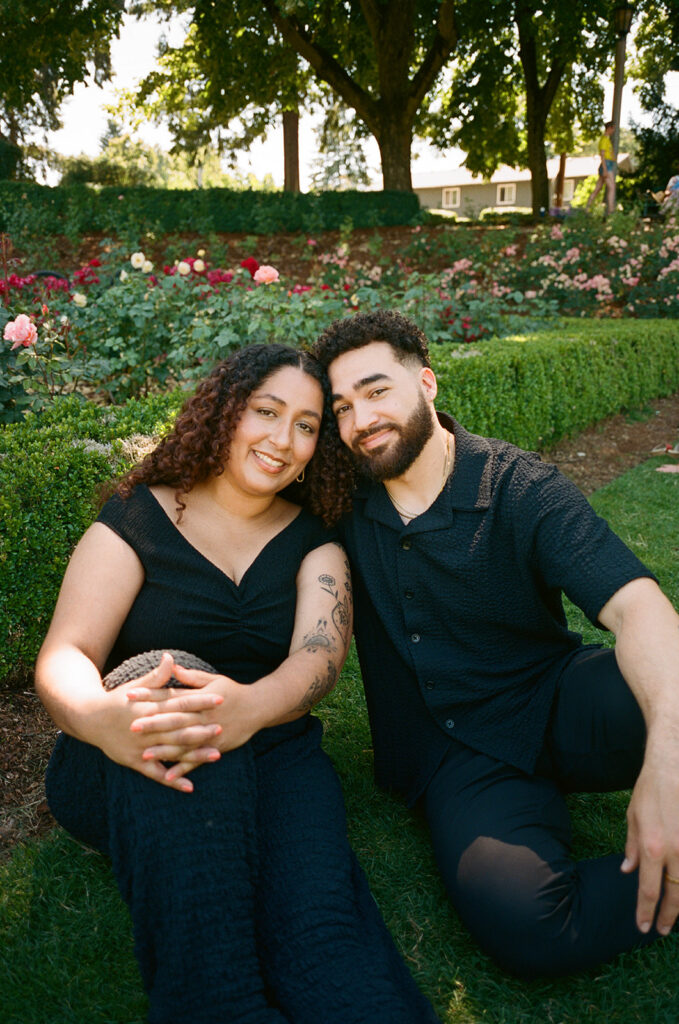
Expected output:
(502, 838)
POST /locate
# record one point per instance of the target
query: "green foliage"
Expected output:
(657, 150)
(527, 72)
(51, 467)
(56, 364)
(514, 216)
(533, 389)
(29, 209)
(45, 49)
(242, 60)
(124, 161)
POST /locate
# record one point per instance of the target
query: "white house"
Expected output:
(459, 191)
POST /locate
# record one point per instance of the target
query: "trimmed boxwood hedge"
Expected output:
(78, 209)
(530, 389)
(535, 388)
(51, 468)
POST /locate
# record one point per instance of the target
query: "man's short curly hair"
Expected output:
(198, 446)
(402, 334)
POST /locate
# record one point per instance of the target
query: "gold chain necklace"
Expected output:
(446, 470)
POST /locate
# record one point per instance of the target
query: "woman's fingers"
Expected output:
(175, 700)
(175, 752)
(175, 722)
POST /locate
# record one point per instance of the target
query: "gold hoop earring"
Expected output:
(300, 478)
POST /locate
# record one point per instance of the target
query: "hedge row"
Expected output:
(51, 468)
(27, 208)
(535, 388)
(531, 389)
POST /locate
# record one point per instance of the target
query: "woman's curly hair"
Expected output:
(198, 446)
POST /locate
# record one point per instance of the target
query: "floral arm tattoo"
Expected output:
(324, 636)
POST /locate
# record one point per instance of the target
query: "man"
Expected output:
(484, 708)
(606, 169)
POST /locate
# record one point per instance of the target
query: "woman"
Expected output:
(222, 816)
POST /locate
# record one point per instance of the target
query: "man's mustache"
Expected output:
(365, 434)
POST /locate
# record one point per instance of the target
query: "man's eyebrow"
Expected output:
(363, 382)
(281, 401)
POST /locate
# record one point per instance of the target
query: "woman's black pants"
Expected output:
(502, 839)
(247, 903)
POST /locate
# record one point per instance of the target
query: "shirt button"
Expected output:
(430, 684)
(405, 544)
(415, 637)
(450, 724)
(409, 595)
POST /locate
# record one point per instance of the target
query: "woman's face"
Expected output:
(277, 432)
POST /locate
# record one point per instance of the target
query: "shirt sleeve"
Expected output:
(571, 547)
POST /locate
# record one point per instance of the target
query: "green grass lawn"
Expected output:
(65, 944)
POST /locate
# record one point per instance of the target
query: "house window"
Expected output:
(451, 198)
(506, 195)
(568, 190)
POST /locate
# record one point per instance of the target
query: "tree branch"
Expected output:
(324, 64)
(442, 46)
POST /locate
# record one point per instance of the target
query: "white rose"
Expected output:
(201, 252)
(198, 266)
(147, 266)
(137, 260)
(79, 299)
(183, 268)
(123, 275)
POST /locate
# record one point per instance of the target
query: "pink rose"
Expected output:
(21, 331)
(265, 275)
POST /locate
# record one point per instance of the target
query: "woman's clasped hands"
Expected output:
(168, 724)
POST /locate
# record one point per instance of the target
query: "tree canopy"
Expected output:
(46, 47)
(251, 60)
(527, 72)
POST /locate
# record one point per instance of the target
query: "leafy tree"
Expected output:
(657, 149)
(657, 50)
(126, 161)
(528, 71)
(46, 47)
(227, 84)
(252, 60)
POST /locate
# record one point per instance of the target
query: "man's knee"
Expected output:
(517, 907)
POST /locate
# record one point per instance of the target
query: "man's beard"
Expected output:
(399, 455)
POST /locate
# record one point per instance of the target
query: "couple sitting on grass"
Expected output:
(221, 814)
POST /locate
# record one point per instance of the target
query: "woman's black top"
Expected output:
(187, 603)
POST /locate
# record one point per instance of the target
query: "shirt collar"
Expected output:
(468, 487)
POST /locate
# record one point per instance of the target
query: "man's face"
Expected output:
(383, 408)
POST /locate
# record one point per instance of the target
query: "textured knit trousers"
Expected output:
(247, 903)
(502, 839)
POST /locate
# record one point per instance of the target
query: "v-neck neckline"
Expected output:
(208, 561)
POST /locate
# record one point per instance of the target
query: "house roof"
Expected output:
(576, 167)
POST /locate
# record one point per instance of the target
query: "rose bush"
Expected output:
(143, 327)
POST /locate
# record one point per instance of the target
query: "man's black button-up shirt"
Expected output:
(459, 621)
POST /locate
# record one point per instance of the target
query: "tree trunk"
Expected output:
(291, 150)
(558, 198)
(539, 182)
(394, 141)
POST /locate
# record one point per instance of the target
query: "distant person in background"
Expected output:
(606, 169)
(670, 201)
